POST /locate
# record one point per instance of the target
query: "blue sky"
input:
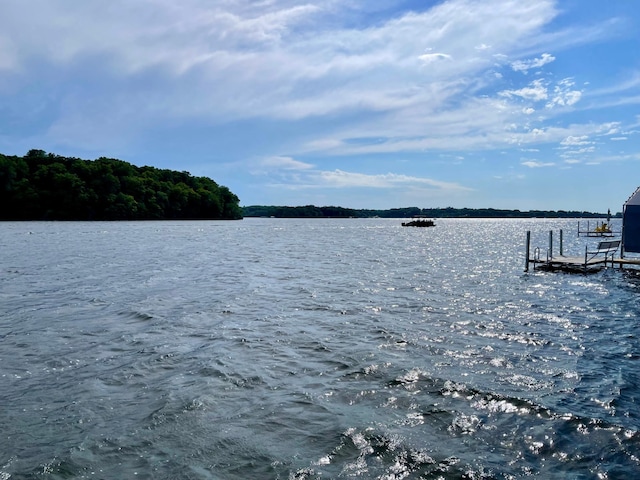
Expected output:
(361, 104)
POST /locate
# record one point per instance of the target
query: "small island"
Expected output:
(44, 186)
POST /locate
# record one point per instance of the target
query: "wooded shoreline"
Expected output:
(312, 211)
(44, 186)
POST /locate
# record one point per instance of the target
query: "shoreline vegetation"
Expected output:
(44, 186)
(311, 211)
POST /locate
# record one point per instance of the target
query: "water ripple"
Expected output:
(311, 349)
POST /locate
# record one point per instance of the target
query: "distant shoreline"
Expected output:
(312, 211)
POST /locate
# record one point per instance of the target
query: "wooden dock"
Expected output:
(592, 260)
(626, 261)
(578, 264)
(574, 264)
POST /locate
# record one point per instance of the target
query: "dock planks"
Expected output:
(562, 262)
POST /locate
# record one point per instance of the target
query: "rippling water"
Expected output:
(312, 349)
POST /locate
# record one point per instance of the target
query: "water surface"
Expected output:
(312, 349)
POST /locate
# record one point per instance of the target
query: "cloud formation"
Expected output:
(273, 59)
(312, 86)
(526, 65)
(535, 164)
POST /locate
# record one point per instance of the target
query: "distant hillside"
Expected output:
(311, 211)
(44, 186)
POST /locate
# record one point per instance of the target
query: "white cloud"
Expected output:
(535, 164)
(282, 60)
(526, 65)
(434, 57)
(299, 175)
(572, 141)
(285, 163)
(563, 95)
(581, 151)
(536, 91)
(277, 58)
(342, 179)
(630, 82)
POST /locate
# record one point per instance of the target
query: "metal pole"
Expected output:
(528, 248)
(561, 242)
(585, 257)
(550, 243)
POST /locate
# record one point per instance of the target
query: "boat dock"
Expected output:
(601, 255)
(601, 229)
(594, 258)
(579, 265)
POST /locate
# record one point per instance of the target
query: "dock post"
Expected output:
(528, 248)
(550, 244)
(561, 234)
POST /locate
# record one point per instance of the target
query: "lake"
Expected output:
(312, 349)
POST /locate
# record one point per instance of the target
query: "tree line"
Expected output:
(308, 211)
(44, 186)
(311, 211)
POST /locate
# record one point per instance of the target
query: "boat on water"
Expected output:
(419, 223)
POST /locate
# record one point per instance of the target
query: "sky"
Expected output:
(353, 103)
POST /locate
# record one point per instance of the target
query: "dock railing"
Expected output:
(608, 248)
(596, 257)
(601, 229)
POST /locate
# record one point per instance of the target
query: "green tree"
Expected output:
(42, 185)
